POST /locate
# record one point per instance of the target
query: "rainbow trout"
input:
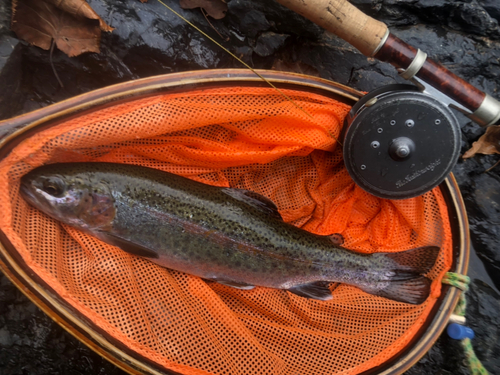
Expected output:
(232, 236)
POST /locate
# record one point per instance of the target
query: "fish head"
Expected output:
(73, 198)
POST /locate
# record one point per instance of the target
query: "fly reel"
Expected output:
(400, 142)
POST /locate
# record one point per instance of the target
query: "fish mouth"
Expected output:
(26, 193)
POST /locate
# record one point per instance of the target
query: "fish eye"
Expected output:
(53, 186)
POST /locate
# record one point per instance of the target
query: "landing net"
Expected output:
(250, 138)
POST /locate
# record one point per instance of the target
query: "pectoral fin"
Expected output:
(126, 245)
(317, 290)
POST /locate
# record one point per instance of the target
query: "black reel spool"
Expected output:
(400, 142)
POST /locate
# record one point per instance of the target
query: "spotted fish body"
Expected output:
(232, 236)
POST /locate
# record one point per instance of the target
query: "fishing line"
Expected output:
(244, 63)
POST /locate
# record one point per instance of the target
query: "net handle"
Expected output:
(345, 21)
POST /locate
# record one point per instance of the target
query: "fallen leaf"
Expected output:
(81, 9)
(40, 21)
(294, 67)
(215, 8)
(488, 144)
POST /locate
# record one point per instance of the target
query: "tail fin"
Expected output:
(414, 290)
(419, 260)
(407, 283)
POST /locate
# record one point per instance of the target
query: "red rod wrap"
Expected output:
(400, 54)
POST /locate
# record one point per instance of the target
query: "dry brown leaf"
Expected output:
(294, 67)
(488, 144)
(80, 9)
(215, 8)
(40, 21)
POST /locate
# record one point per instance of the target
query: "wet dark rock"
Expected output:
(277, 18)
(471, 132)
(483, 307)
(475, 17)
(269, 42)
(492, 7)
(487, 197)
(149, 39)
(483, 206)
(6, 49)
(252, 22)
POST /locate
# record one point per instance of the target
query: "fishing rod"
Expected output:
(399, 140)
(373, 39)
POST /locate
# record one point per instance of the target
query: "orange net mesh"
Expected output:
(248, 138)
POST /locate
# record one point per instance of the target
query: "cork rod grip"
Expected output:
(344, 20)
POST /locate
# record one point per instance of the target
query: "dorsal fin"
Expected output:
(254, 199)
